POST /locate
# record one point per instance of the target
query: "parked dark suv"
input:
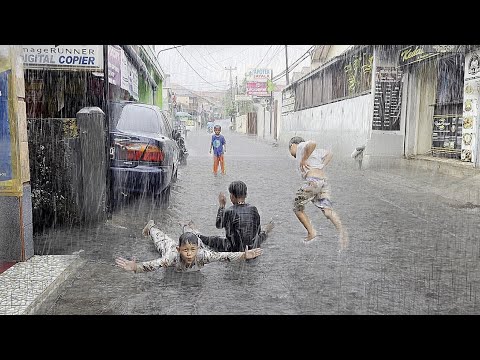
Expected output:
(144, 155)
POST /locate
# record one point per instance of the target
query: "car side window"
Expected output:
(161, 123)
(167, 124)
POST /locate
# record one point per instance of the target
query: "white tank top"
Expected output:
(315, 160)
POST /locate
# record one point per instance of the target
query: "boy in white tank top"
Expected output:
(310, 163)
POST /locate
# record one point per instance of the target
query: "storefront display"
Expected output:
(447, 135)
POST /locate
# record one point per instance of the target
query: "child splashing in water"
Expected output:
(310, 162)
(241, 222)
(187, 254)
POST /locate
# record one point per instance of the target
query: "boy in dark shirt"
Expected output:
(241, 222)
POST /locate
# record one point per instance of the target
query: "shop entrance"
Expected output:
(447, 121)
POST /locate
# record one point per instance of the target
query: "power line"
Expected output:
(296, 62)
(264, 56)
(196, 71)
(275, 55)
(294, 65)
(193, 57)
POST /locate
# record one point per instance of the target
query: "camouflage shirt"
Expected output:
(172, 259)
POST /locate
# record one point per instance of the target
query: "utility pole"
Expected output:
(231, 87)
(106, 108)
(236, 93)
(286, 64)
(231, 84)
(271, 106)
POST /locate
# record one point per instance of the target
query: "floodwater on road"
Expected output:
(410, 252)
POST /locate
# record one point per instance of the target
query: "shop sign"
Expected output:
(288, 100)
(415, 53)
(243, 98)
(259, 75)
(257, 88)
(63, 57)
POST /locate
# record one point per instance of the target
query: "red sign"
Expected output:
(257, 88)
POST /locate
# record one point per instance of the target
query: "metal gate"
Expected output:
(252, 123)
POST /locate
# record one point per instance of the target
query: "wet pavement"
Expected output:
(413, 249)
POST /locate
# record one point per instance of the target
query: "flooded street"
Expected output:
(405, 256)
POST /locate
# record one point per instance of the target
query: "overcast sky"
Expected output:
(202, 67)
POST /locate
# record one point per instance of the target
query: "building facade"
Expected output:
(398, 100)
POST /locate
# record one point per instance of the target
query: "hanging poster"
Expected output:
(129, 76)
(387, 101)
(114, 64)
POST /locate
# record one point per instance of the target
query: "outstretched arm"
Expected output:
(129, 265)
(132, 265)
(211, 256)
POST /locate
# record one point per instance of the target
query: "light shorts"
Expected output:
(315, 190)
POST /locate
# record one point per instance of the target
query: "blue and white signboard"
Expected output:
(63, 57)
(5, 149)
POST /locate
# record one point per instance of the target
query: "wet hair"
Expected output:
(217, 127)
(295, 140)
(238, 189)
(188, 238)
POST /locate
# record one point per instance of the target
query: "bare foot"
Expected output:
(310, 236)
(188, 225)
(146, 229)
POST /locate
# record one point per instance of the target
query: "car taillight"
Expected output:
(141, 152)
(153, 154)
(134, 151)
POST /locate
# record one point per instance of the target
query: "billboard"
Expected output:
(258, 82)
(63, 57)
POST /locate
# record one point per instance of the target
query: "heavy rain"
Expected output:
(97, 140)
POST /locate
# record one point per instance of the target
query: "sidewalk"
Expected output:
(25, 285)
(451, 179)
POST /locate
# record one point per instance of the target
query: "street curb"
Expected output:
(55, 287)
(27, 284)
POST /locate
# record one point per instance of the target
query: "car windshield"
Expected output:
(140, 119)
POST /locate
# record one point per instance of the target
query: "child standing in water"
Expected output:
(185, 255)
(218, 144)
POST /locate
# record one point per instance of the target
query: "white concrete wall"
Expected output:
(241, 124)
(264, 130)
(265, 123)
(340, 126)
